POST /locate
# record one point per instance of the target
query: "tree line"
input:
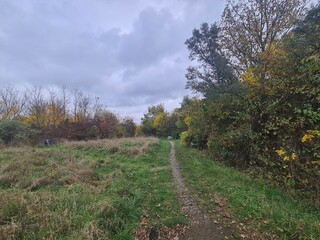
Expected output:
(258, 71)
(34, 114)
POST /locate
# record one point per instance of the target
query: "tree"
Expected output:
(107, 123)
(36, 107)
(304, 40)
(64, 101)
(147, 122)
(270, 120)
(213, 70)
(11, 103)
(82, 104)
(55, 109)
(11, 130)
(251, 27)
(129, 126)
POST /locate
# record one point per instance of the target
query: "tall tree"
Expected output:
(213, 70)
(251, 27)
(65, 101)
(55, 109)
(81, 106)
(304, 40)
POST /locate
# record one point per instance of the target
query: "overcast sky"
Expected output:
(129, 53)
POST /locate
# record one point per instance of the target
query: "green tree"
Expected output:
(304, 39)
(213, 70)
(148, 126)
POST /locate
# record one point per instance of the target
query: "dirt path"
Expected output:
(200, 226)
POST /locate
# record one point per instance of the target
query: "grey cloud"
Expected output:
(130, 54)
(156, 34)
(43, 52)
(161, 81)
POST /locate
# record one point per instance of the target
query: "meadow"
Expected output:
(124, 189)
(102, 189)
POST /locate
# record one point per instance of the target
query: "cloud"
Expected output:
(156, 35)
(129, 54)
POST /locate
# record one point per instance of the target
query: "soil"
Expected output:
(201, 227)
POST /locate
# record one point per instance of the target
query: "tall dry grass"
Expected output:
(134, 146)
(57, 192)
(31, 168)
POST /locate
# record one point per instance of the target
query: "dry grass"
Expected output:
(24, 212)
(32, 174)
(132, 146)
(76, 190)
(92, 231)
(31, 169)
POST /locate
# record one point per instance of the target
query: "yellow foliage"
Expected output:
(29, 119)
(310, 135)
(293, 156)
(187, 120)
(248, 77)
(280, 152)
(138, 131)
(184, 138)
(273, 61)
(285, 157)
(307, 137)
(159, 120)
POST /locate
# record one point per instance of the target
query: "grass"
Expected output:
(86, 190)
(269, 211)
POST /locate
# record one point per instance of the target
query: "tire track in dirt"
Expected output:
(200, 226)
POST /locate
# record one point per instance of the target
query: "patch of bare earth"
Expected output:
(201, 227)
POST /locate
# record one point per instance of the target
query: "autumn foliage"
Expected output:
(268, 120)
(30, 116)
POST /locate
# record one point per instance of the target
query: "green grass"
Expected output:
(267, 209)
(86, 190)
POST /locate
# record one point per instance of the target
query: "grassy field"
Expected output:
(114, 189)
(86, 190)
(266, 210)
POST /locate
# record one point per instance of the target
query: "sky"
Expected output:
(129, 53)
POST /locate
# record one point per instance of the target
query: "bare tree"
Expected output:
(55, 109)
(65, 101)
(81, 106)
(36, 106)
(12, 103)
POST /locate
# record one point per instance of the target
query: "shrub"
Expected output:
(13, 131)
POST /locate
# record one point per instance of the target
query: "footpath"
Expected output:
(200, 226)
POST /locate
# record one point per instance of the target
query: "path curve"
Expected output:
(200, 226)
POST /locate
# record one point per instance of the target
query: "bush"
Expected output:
(13, 131)
(184, 138)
